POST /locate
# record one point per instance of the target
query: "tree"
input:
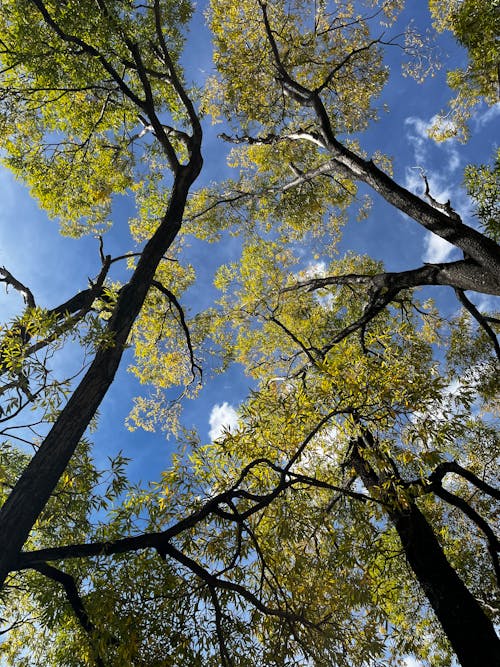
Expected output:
(290, 540)
(475, 25)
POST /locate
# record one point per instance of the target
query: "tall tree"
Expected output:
(301, 536)
(77, 84)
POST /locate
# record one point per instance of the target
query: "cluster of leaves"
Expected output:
(277, 544)
(69, 91)
(483, 185)
(475, 24)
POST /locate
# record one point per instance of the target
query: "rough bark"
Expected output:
(475, 245)
(442, 221)
(463, 275)
(36, 484)
(469, 631)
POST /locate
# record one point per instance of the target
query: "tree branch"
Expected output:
(476, 518)
(90, 50)
(451, 466)
(178, 87)
(462, 274)
(150, 110)
(8, 279)
(449, 227)
(173, 300)
(480, 319)
(240, 590)
(74, 599)
(219, 628)
(290, 334)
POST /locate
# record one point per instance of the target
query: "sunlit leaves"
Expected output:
(322, 46)
(72, 99)
(483, 185)
(476, 25)
(284, 553)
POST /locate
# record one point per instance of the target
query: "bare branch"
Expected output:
(173, 300)
(480, 319)
(446, 207)
(149, 108)
(9, 279)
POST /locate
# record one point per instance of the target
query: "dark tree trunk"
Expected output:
(469, 631)
(36, 484)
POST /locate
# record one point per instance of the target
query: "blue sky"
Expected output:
(55, 267)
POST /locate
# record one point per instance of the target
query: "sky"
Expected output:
(55, 267)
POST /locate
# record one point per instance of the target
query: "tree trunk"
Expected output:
(469, 631)
(36, 484)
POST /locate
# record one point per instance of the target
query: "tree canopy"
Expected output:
(349, 519)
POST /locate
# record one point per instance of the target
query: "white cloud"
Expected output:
(454, 158)
(421, 126)
(412, 662)
(418, 137)
(481, 119)
(436, 249)
(485, 302)
(223, 417)
(313, 270)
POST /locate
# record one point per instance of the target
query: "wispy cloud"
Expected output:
(412, 662)
(482, 118)
(436, 249)
(485, 302)
(418, 137)
(223, 418)
(454, 160)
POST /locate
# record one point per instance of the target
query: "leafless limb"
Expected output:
(8, 279)
(480, 319)
(173, 300)
(446, 207)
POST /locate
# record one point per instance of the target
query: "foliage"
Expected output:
(476, 25)
(483, 185)
(283, 541)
